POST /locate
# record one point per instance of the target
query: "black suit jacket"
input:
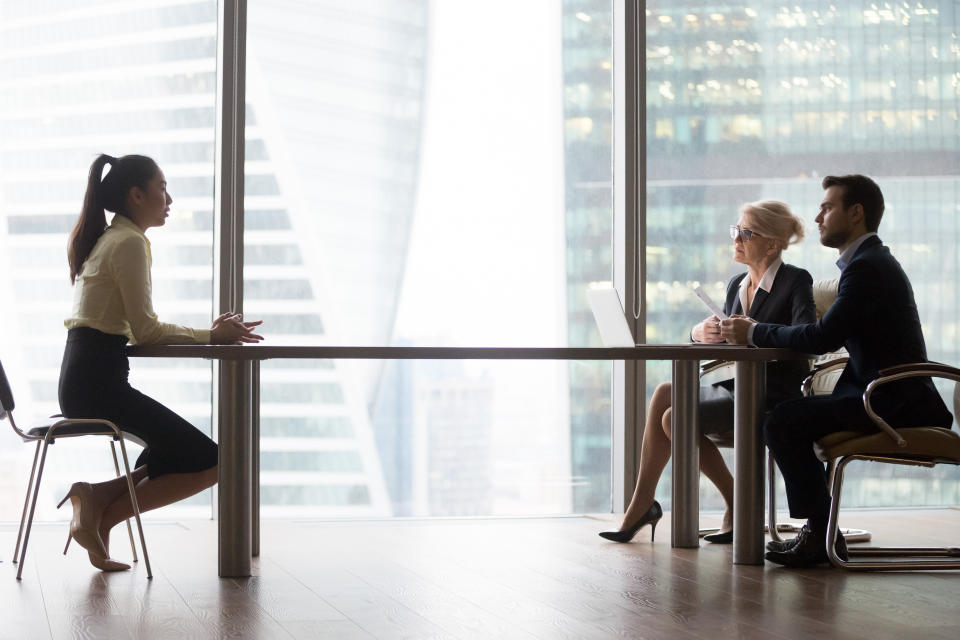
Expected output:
(789, 302)
(875, 317)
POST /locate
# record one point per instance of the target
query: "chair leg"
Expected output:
(26, 500)
(136, 507)
(33, 508)
(951, 554)
(116, 465)
(772, 499)
(850, 535)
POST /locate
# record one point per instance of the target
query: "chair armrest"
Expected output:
(830, 364)
(712, 365)
(716, 371)
(933, 369)
(899, 372)
(819, 370)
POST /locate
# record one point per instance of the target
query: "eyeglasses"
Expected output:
(744, 234)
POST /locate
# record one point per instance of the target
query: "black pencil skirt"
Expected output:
(94, 384)
(716, 408)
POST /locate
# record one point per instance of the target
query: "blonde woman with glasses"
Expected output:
(769, 291)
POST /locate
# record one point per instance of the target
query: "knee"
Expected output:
(779, 430)
(770, 433)
(211, 476)
(661, 393)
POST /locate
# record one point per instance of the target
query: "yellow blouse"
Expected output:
(113, 292)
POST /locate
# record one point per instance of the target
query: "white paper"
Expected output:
(705, 299)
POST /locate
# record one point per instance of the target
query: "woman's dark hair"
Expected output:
(110, 194)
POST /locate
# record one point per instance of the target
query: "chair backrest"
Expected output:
(956, 403)
(824, 293)
(6, 395)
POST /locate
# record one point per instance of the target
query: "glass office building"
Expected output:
(752, 101)
(588, 196)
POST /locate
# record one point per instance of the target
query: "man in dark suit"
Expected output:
(875, 317)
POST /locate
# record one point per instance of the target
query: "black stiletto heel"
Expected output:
(651, 517)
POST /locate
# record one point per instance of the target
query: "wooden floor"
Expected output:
(522, 578)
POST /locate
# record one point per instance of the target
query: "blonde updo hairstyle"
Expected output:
(773, 219)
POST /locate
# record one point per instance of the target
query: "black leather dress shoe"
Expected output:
(783, 545)
(720, 537)
(809, 550)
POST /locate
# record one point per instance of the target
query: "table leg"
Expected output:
(235, 466)
(748, 489)
(684, 447)
(255, 462)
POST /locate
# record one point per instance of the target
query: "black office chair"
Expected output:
(45, 435)
(914, 446)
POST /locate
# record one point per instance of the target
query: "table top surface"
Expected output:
(689, 351)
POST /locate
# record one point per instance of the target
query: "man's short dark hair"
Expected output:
(860, 190)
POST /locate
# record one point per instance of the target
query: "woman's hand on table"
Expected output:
(707, 331)
(230, 328)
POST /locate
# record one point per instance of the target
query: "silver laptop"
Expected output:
(610, 319)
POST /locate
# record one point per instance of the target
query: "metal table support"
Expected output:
(750, 394)
(255, 458)
(236, 444)
(684, 447)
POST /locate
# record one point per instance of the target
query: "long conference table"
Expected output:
(239, 423)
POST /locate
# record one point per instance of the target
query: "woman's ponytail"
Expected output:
(107, 194)
(92, 222)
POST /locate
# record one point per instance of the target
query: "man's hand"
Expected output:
(707, 331)
(734, 329)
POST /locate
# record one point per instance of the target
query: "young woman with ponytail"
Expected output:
(110, 270)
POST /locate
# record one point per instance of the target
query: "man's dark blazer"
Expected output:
(790, 301)
(875, 317)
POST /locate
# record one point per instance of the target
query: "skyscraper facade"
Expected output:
(751, 101)
(588, 213)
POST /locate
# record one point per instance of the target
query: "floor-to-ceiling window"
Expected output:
(417, 172)
(751, 101)
(78, 79)
(430, 173)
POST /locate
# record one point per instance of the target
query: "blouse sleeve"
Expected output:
(130, 268)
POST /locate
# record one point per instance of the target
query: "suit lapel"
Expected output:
(758, 299)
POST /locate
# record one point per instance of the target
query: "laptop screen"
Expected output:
(610, 319)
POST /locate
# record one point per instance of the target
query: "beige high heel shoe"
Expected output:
(102, 563)
(106, 564)
(85, 526)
